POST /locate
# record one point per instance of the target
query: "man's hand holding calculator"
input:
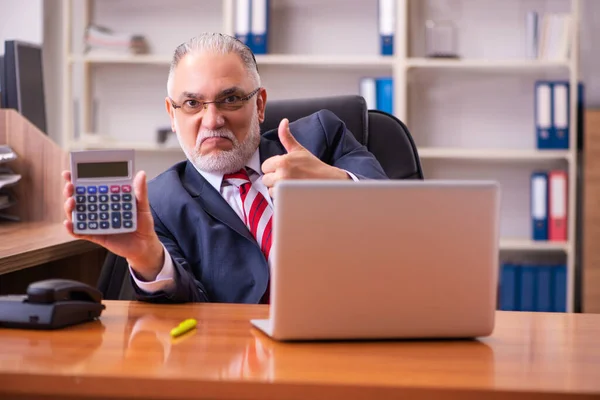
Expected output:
(107, 214)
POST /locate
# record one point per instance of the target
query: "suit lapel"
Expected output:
(269, 148)
(212, 202)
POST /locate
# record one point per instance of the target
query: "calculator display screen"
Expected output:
(115, 169)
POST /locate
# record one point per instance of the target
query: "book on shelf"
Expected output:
(533, 287)
(549, 211)
(552, 100)
(387, 26)
(252, 19)
(548, 37)
(103, 40)
(378, 93)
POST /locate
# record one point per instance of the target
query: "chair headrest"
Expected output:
(351, 109)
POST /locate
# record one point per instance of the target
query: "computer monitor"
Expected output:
(23, 88)
(2, 80)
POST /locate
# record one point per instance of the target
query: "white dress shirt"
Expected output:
(165, 279)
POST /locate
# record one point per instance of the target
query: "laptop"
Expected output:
(396, 259)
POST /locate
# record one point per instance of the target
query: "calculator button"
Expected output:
(80, 190)
(127, 224)
(104, 216)
(127, 197)
(116, 220)
(80, 199)
(104, 225)
(93, 225)
(115, 189)
(80, 207)
(127, 215)
(92, 198)
(115, 206)
(81, 217)
(93, 216)
(103, 198)
(103, 189)
(81, 225)
(115, 197)
(93, 207)
(127, 206)
(126, 188)
(92, 189)
(103, 207)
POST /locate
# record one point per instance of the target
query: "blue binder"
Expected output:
(508, 281)
(543, 114)
(544, 288)
(387, 17)
(259, 26)
(561, 118)
(528, 288)
(242, 21)
(385, 94)
(539, 205)
(560, 288)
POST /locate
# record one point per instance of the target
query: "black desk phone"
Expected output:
(51, 304)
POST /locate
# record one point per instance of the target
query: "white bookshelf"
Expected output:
(471, 118)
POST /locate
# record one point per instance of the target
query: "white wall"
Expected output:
(22, 20)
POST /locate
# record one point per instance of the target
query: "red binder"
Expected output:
(557, 205)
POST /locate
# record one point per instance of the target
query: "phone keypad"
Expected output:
(103, 208)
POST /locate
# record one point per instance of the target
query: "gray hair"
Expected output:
(215, 43)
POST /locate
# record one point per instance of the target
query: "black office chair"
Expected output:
(383, 134)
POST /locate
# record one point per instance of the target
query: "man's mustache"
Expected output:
(224, 133)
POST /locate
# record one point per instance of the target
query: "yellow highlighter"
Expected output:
(183, 327)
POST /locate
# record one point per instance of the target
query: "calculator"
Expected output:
(104, 198)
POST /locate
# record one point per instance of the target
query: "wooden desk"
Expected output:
(48, 246)
(129, 354)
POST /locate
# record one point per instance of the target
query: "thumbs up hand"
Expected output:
(298, 163)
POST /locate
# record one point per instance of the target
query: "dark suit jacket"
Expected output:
(215, 257)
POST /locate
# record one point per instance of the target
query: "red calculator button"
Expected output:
(115, 189)
(126, 188)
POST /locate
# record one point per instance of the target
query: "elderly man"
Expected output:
(204, 225)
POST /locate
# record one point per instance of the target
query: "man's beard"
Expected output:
(221, 161)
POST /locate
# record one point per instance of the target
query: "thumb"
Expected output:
(286, 138)
(140, 188)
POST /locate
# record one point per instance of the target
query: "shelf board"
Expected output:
(325, 60)
(268, 59)
(492, 154)
(138, 146)
(107, 58)
(485, 64)
(516, 244)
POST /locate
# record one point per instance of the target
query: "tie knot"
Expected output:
(237, 178)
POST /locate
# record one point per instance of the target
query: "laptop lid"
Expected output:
(384, 259)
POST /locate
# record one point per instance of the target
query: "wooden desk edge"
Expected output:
(98, 387)
(41, 255)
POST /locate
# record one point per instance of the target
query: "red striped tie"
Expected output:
(258, 214)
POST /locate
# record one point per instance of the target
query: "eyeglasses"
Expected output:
(228, 103)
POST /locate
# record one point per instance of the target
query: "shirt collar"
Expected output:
(216, 179)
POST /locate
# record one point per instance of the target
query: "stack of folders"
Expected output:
(549, 205)
(252, 24)
(550, 38)
(533, 287)
(378, 93)
(7, 179)
(552, 116)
